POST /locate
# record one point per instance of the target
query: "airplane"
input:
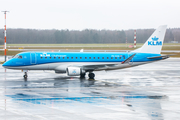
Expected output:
(80, 63)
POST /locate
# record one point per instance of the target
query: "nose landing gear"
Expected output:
(25, 74)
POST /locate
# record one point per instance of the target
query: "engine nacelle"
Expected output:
(74, 71)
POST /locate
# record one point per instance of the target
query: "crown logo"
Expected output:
(74, 72)
(155, 38)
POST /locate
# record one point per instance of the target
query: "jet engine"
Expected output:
(74, 71)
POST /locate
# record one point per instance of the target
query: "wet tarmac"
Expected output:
(146, 92)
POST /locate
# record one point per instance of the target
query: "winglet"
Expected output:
(128, 59)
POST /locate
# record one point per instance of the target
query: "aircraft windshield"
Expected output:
(18, 56)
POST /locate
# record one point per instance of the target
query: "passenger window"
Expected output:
(111, 57)
(94, 57)
(46, 57)
(98, 57)
(76, 57)
(50, 57)
(63, 57)
(115, 57)
(89, 57)
(85, 57)
(54, 57)
(119, 57)
(71, 57)
(80, 57)
(102, 57)
(67, 57)
(59, 57)
(107, 57)
(41, 57)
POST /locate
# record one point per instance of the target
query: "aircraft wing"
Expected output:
(128, 59)
(95, 66)
(103, 66)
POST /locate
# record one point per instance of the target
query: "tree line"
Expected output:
(34, 36)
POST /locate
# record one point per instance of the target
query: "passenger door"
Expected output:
(33, 58)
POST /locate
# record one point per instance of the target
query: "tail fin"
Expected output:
(155, 42)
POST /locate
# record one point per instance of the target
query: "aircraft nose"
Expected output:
(6, 64)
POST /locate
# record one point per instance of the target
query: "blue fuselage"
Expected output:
(25, 59)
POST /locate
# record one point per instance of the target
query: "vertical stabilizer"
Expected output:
(155, 42)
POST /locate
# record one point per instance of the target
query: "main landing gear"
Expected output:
(91, 75)
(83, 75)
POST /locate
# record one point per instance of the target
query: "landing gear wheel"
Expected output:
(82, 75)
(91, 75)
(25, 76)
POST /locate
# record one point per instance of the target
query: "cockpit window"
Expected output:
(18, 56)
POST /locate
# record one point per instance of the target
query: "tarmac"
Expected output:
(146, 92)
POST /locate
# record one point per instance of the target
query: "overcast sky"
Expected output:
(90, 14)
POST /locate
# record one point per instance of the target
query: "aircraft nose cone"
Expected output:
(6, 64)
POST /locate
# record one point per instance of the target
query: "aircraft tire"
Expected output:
(82, 75)
(25, 76)
(91, 75)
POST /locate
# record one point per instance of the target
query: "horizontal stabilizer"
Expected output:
(163, 57)
(128, 59)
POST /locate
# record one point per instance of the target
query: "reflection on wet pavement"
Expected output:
(144, 92)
